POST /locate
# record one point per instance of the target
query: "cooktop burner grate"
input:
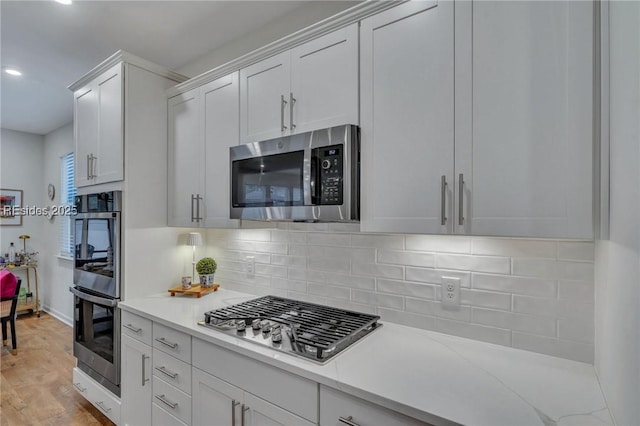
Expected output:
(314, 331)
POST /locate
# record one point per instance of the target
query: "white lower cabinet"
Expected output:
(216, 402)
(136, 381)
(100, 397)
(340, 409)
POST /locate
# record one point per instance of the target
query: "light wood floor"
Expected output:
(35, 384)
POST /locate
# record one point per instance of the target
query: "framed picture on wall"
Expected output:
(10, 199)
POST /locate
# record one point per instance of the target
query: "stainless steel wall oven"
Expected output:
(96, 289)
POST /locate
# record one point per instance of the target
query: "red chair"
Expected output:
(9, 291)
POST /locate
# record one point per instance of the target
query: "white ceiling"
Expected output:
(54, 45)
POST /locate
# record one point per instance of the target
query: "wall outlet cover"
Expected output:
(451, 293)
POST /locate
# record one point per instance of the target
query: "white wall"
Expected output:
(618, 260)
(56, 272)
(21, 161)
(298, 19)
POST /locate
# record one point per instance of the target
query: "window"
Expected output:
(67, 196)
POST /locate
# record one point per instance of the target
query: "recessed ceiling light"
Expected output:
(65, 2)
(12, 71)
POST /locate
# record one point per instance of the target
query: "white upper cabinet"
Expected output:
(525, 141)
(203, 125)
(99, 129)
(186, 159)
(407, 118)
(492, 136)
(314, 85)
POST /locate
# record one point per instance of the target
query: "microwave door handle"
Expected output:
(308, 177)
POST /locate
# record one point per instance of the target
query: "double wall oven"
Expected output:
(96, 287)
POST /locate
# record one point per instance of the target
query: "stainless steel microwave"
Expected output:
(312, 176)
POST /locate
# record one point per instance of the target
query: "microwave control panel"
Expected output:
(329, 161)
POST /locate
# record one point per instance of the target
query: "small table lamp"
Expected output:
(194, 239)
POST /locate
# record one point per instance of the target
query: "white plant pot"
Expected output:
(206, 280)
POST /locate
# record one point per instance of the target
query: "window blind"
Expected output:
(67, 196)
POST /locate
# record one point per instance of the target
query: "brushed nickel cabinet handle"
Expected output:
(461, 199)
(93, 166)
(167, 343)
(144, 367)
(192, 200)
(162, 398)
(443, 196)
(132, 328)
(167, 372)
(79, 387)
(88, 167)
(234, 404)
(283, 104)
(100, 404)
(292, 102)
(244, 410)
(198, 198)
(347, 421)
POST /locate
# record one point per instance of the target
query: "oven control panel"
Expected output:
(330, 174)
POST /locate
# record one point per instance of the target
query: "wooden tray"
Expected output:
(195, 290)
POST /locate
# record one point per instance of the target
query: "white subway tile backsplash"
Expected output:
(576, 290)
(434, 276)
(424, 260)
(530, 294)
(553, 269)
(377, 299)
(561, 348)
(513, 247)
(526, 323)
(437, 243)
(423, 291)
(406, 318)
(516, 285)
(494, 264)
(499, 336)
(375, 270)
(389, 242)
(485, 299)
(576, 250)
(430, 307)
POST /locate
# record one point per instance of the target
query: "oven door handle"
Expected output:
(94, 299)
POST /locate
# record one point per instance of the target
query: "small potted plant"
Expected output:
(206, 268)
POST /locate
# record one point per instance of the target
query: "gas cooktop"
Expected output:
(315, 332)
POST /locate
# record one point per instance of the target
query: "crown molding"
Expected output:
(335, 22)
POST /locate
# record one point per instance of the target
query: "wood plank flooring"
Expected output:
(35, 384)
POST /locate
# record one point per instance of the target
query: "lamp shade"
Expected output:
(194, 239)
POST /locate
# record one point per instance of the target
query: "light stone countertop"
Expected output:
(434, 377)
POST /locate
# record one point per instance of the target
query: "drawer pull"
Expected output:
(164, 400)
(166, 372)
(132, 328)
(347, 421)
(167, 343)
(100, 405)
(79, 387)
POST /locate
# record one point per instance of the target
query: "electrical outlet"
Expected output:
(250, 265)
(451, 292)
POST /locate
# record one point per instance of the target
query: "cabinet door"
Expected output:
(85, 127)
(186, 160)
(324, 81)
(108, 163)
(214, 402)
(136, 382)
(263, 413)
(407, 118)
(527, 159)
(220, 100)
(264, 99)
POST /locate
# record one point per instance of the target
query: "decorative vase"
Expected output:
(206, 280)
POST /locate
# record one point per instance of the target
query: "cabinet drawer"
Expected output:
(335, 405)
(172, 371)
(286, 390)
(137, 327)
(172, 341)
(159, 417)
(172, 400)
(106, 402)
